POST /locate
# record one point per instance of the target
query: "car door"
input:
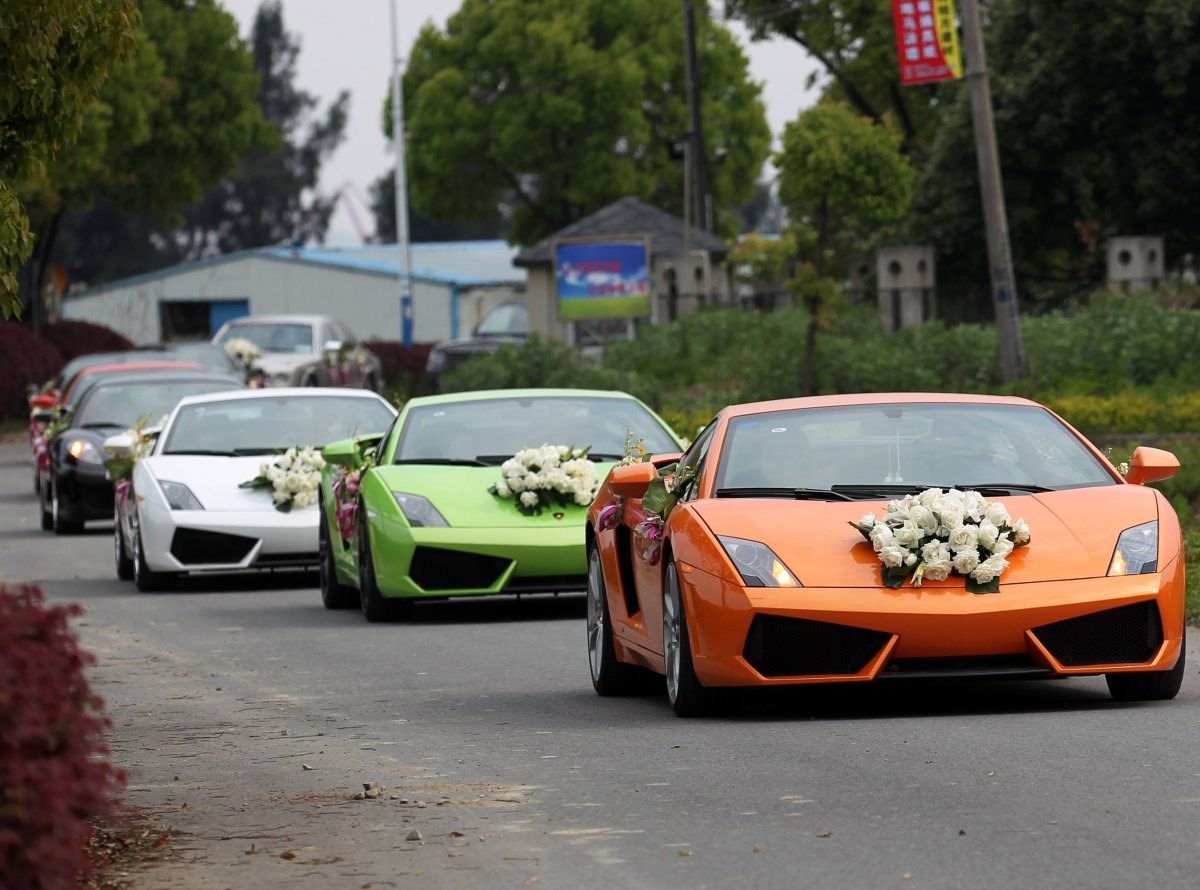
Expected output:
(645, 559)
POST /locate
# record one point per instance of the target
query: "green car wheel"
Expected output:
(374, 607)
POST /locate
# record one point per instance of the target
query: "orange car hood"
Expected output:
(1073, 533)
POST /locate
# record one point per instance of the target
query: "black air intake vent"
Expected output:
(193, 546)
(436, 569)
(794, 647)
(1126, 635)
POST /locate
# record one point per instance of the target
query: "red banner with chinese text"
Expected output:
(926, 41)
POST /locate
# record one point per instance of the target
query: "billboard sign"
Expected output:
(602, 279)
(926, 41)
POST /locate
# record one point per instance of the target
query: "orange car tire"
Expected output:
(609, 676)
(1149, 685)
(687, 696)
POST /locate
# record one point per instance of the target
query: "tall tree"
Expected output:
(854, 43)
(568, 105)
(57, 54)
(174, 117)
(1098, 132)
(843, 180)
(271, 197)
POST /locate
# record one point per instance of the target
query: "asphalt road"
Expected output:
(247, 716)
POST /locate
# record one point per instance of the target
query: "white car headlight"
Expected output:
(757, 563)
(1136, 552)
(84, 452)
(179, 496)
(419, 512)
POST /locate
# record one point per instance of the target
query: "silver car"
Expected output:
(304, 350)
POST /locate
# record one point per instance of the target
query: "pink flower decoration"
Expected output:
(609, 516)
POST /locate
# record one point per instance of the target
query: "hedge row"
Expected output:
(54, 778)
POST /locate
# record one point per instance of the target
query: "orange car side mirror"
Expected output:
(631, 480)
(1151, 465)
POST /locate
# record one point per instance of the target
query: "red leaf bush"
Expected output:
(76, 338)
(53, 775)
(24, 358)
(402, 365)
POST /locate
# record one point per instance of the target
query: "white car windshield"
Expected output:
(922, 445)
(273, 336)
(489, 431)
(270, 424)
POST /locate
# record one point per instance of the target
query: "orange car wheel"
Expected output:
(609, 676)
(1148, 686)
(688, 697)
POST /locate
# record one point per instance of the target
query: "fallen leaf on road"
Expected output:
(824, 833)
(306, 766)
(287, 854)
(685, 852)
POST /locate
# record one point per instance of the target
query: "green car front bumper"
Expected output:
(440, 562)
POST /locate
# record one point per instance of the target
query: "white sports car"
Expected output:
(189, 505)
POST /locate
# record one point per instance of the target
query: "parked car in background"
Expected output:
(210, 355)
(507, 322)
(305, 350)
(73, 484)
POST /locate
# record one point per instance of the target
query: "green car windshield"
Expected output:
(489, 431)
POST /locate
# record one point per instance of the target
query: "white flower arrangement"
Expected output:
(293, 478)
(936, 533)
(537, 478)
(242, 350)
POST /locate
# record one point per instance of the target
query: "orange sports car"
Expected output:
(884, 536)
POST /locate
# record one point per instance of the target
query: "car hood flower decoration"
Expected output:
(537, 478)
(941, 532)
(293, 478)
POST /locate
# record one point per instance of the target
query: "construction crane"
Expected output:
(349, 195)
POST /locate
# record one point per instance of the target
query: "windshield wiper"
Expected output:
(202, 451)
(886, 489)
(444, 461)
(799, 494)
(994, 488)
(99, 424)
(252, 452)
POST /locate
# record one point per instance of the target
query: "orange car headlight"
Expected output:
(1136, 552)
(757, 563)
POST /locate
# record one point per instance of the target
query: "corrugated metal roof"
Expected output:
(459, 263)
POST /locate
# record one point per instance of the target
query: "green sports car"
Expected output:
(473, 493)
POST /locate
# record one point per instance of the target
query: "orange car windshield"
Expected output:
(959, 445)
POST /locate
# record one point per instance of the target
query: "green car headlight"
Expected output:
(419, 512)
(757, 563)
(179, 496)
(1137, 551)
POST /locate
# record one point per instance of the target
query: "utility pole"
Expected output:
(991, 188)
(703, 202)
(401, 195)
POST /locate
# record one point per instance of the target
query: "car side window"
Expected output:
(691, 465)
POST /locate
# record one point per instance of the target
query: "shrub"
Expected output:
(402, 365)
(52, 778)
(76, 338)
(24, 358)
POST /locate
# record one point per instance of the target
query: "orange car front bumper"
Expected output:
(756, 636)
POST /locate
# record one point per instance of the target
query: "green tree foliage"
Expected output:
(56, 55)
(1098, 130)
(271, 196)
(844, 180)
(176, 114)
(567, 105)
(382, 195)
(855, 45)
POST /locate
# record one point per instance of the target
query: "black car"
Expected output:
(73, 486)
(507, 322)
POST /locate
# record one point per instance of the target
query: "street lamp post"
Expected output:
(405, 251)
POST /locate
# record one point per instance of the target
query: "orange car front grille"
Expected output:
(796, 647)
(1126, 635)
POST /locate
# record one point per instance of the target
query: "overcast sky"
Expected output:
(347, 46)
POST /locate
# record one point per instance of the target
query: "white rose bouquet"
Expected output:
(293, 478)
(938, 533)
(537, 478)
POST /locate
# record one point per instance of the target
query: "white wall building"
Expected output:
(453, 285)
